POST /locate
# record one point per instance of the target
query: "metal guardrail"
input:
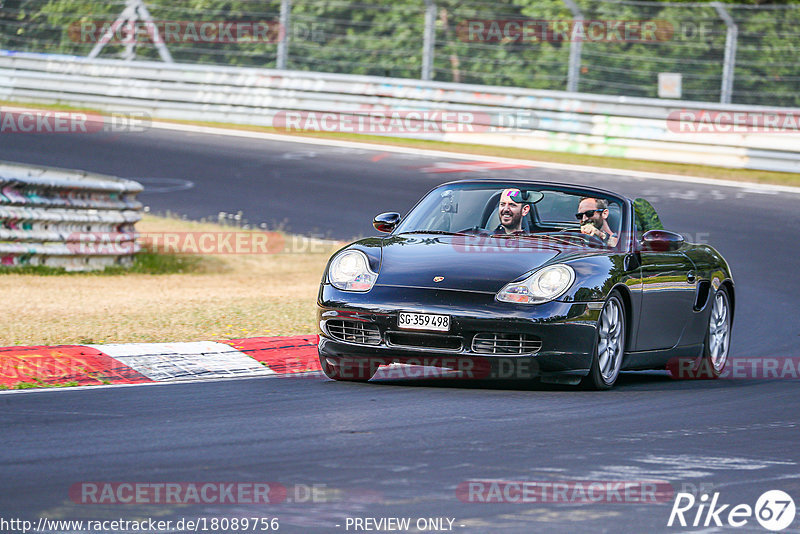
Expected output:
(633, 128)
(70, 219)
(745, 53)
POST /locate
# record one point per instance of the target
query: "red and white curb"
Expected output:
(136, 363)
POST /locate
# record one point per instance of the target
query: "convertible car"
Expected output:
(453, 285)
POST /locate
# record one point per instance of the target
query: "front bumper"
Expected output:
(566, 330)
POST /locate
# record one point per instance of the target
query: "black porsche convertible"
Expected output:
(487, 275)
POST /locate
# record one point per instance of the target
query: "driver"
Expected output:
(512, 208)
(593, 214)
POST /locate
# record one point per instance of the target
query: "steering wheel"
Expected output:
(591, 239)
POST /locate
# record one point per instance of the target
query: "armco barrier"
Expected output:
(62, 218)
(634, 128)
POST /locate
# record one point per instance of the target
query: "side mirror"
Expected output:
(661, 241)
(385, 222)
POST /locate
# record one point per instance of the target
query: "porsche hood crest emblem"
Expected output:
(438, 278)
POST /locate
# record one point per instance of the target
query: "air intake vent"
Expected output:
(426, 341)
(494, 343)
(703, 290)
(354, 332)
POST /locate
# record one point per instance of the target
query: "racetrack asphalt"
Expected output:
(400, 448)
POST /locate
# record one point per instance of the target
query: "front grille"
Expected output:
(496, 343)
(426, 341)
(354, 332)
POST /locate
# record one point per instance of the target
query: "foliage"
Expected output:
(646, 216)
(145, 262)
(385, 38)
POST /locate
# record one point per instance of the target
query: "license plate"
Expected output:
(424, 321)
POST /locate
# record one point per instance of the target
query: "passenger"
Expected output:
(593, 214)
(513, 207)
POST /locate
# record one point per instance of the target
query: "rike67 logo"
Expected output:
(774, 510)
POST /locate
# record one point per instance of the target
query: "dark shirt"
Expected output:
(501, 230)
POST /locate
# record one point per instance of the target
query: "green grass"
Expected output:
(166, 297)
(147, 262)
(40, 384)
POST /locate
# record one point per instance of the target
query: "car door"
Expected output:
(668, 287)
(668, 293)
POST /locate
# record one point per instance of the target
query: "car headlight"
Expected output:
(542, 286)
(350, 271)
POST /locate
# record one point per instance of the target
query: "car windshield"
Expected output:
(469, 208)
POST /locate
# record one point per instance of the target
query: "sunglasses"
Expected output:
(588, 213)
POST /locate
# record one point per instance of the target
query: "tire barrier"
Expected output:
(62, 218)
(724, 135)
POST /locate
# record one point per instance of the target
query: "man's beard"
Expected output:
(515, 221)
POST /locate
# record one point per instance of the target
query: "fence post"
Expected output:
(133, 12)
(575, 48)
(428, 39)
(283, 43)
(729, 64)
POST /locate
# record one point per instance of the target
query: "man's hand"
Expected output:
(590, 229)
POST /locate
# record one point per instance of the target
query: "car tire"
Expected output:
(347, 369)
(717, 342)
(609, 346)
